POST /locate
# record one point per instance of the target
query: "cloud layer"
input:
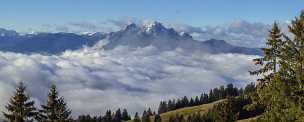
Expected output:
(241, 32)
(93, 80)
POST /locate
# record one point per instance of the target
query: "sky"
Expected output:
(27, 15)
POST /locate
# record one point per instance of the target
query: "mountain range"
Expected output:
(133, 36)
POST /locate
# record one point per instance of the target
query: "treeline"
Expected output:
(215, 94)
(231, 109)
(117, 116)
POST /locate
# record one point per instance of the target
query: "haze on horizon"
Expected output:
(98, 15)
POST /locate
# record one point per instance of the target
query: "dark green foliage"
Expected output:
(149, 112)
(177, 118)
(171, 105)
(20, 108)
(249, 89)
(214, 94)
(108, 116)
(222, 112)
(197, 101)
(88, 118)
(163, 107)
(232, 109)
(145, 117)
(117, 116)
(125, 115)
(281, 88)
(204, 98)
(136, 118)
(64, 113)
(191, 102)
(56, 109)
(185, 101)
(157, 118)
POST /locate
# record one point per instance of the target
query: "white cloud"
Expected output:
(93, 80)
(241, 33)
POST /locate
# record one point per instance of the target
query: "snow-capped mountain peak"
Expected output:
(153, 26)
(157, 35)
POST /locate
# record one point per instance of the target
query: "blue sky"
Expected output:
(24, 15)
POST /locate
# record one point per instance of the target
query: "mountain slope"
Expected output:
(155, 34)
(187, 111)
(202, 109)
(133, 36)
(51, 43)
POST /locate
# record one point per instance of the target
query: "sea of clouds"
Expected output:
(93, 80)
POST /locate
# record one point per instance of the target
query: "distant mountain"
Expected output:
(51, 43)
(220, 46)
(163, 38)
(152, 34)
(133, 36)
(8, 33)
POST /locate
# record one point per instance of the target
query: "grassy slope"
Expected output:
(190, 110)
(187, 111)
(249, 119)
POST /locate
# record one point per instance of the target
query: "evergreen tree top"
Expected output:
(20, 108)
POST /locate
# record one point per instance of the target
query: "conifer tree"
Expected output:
(157, 118)
(125, 115)
(149, 112)
(281, 87)
(136, 118)
(145, 117)
(20, 108)
(223, 94)
(269, 64)
(163, 107)
(171, 105)
(185, 101)
(204, 98)
(197, 101)
(272, 53)
(211, 96)
(108, 116)
(117, 116)
(64, 114)
(56, 109)
(230, 90)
